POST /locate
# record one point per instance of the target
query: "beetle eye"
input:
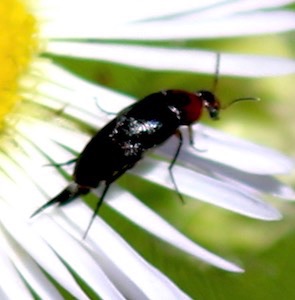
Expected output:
(214, 113)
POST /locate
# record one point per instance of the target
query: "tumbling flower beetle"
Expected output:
(121, 143)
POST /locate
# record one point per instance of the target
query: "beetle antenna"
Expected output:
(217, 70)
(240, 99)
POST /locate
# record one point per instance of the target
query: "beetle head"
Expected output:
(210, 102)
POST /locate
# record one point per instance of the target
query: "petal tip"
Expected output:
(273, 215)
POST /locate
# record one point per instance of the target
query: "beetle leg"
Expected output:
(180, 139)
(98, 205)
(109, 113)
(69, 162)
(191, 140)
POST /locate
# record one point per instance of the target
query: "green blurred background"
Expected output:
(265, 249)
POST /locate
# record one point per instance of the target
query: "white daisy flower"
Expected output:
(45, 110)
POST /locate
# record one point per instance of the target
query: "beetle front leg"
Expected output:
(191, 140)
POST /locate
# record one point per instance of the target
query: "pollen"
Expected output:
(18, 46)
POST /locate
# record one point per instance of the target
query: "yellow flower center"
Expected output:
(18, 45)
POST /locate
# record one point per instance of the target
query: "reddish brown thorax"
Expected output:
(188, 104)
(193, 109)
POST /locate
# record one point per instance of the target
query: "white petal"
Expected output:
(27, 168)
(68, 90)
(57, 247)
(91, 12)
(159, 58)
(136, 278)
(46, 258)
(206, 189)
(225, 170)
(69, 250)
(237, 153)
(240, 25)
(260, 183)
(63, 251)
(141, 215)
(229, 8)
(11, 284)
(247, 181)
(34, 143)
(255, 23)
(31, 272)
(25, 186)
(210, 256)
(98, 14)
(3, 296)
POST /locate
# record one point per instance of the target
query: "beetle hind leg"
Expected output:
(179, 135)
(58, 165)
(98, 205)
